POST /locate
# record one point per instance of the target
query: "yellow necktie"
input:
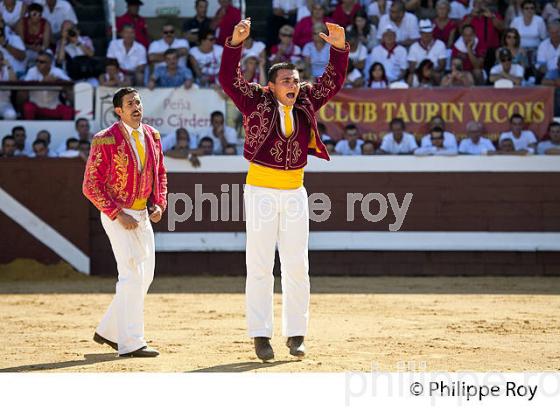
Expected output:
(288, 121)
(139, 147)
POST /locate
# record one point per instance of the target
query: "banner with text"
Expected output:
(166, 109)
(372, 110)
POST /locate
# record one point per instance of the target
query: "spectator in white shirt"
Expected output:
(206, 59)
(506, 146)
(12, 48)
(45, 137)
(56, 12)
(71, 148)
(46, 104)
(459, 9)
(552, 146)
(377, 9)
(523, 140)
(398, 141)
(406, 24)
(7, 111)
(475, 143)
(220, 134)
(427, 48)
(169, 40)
(130, 54)
(549, 50)
(506, 69)
(351, 143)
(390, 54)
(283, 12)
(531, 27)
(358, 52)
(449, 139)
(41, 150)
(436, 146)
(11, 11)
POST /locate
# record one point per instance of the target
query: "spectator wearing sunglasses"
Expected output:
(285, 51)
(506, 69)
(35, 31)
(156, 52)
(436, 146)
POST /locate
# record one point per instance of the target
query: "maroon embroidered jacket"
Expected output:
(112, 180)
(264, 142)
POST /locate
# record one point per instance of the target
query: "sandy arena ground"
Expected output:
(48, 315)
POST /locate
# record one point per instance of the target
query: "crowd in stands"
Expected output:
(410, 43)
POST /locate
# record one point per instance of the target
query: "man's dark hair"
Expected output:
(205, 139)
(329, 142)
(35, 7)
(437, 129)
(199, 1)
(17, 128)
(273, 71)
(119, 95)
(553, 124)
(46, 54)
(6, 138)
(112, 61)
(466, 26)
(204, 33)
(79, 120)
(39, 142)
(70, 141)
(216, 114)
(350, 127)
(48, 135)
(396, 121)
(516, 115)
(127, 26)
(170, 51)
(82, 142)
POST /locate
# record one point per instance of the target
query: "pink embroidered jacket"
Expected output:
(112, 180)
(264, 142)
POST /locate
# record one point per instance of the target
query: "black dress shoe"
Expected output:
(297, 348)
(263, 349)
(142, 352)
(97, 338)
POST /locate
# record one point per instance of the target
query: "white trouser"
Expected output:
(134, 252)
(277, 216)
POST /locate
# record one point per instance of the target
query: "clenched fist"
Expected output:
(241, 32)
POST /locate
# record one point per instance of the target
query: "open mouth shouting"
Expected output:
(291, 96)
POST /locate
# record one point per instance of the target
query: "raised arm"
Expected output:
(334, 76)
(232, 81)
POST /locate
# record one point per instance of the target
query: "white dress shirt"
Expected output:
(140, 129)
(407, 30)
(449, 140)
(62, 11)
(407, 145)
(342, 147)
(484, 145)
(436, 52)
(161, 46)
(394, 64)
(135, 57)
(525, 139)
(45, 99)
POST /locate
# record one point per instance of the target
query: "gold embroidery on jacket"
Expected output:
(97, 197)
(296, 152)
(121, 168)
(102, 141)
(324, 87)
(242, 85)
(277, 151)
(258, 132)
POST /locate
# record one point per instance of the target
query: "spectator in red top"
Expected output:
(488, 27)
(35, 31)
(133, 18)
(303, 33)
(343, 14)
(445, 29)
(468, 49)
(224, 21)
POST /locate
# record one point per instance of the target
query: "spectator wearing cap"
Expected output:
(171, 74)
(551, 146)
(406, 24)
(530, 26)
(133, 18)
(35, 31)
(224, 21)
(506, 69)
(199, 23)
(468, 49)
(488, 26)
(7, 74)
(475, 143)
(168, 41)
(12, 48)
(316, 54)
(378, 8)
(56, 12)
(458, 77)
(449, 139)
(284, 12)
(8, 147)
(351, 142)
(445, 29)
(205, 60)
(390, 54)
(523, 140)
(113, 76)
(285, 51)
(303, 32)
(549, 49)
(344, 12)
(130, 54)
(46, 104)
(436, 144)
(427, 48)
(398, 141)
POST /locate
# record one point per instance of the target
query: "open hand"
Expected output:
(155, 213)
(127, 221)
(336, 37)
(241, 31)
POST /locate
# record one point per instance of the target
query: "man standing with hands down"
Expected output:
(126, 180)
(281, 130)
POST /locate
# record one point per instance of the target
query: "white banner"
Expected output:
(166, 109)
